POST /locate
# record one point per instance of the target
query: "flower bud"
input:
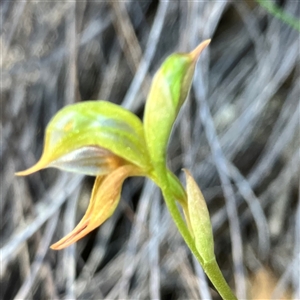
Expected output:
(199, 219)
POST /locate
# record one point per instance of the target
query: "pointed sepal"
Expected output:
(88, 160)
(169, 89)
(85, 134)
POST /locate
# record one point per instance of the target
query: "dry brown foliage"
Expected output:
(238, 134)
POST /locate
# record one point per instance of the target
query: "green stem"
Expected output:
(211, 269)
(161, 179)
(215, 275)
(176, 216)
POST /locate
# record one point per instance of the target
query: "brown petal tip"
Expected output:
(76, 234)
(197, 51)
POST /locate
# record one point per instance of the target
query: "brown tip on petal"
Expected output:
(197, 51)
(77, 233)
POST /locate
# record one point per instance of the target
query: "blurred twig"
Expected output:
(280, 14)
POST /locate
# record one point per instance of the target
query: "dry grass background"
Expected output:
(238, 134)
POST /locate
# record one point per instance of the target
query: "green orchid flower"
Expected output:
(102, 139)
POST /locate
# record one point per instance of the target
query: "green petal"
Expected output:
(169, 89)
(79, 128)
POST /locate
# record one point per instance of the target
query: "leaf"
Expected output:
(169, 89)
(199, 219)
(86, 130)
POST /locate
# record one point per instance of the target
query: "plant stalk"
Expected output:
(211, 269)
(215, 275)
